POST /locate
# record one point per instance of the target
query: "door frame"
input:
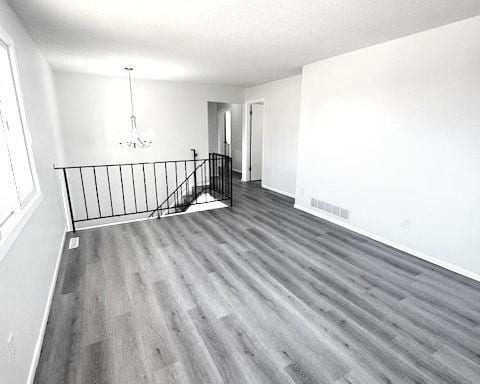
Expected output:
(246, 138)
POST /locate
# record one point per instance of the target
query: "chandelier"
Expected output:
(133, 139)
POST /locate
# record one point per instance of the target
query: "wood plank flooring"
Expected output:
(261, 293)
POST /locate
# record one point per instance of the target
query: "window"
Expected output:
(17, 181)
(228, 127)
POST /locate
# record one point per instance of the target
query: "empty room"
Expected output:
(247, 192)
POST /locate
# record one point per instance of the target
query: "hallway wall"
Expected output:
(27, 270)
(282, 114)
(212, 127)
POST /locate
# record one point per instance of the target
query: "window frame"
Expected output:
(13, 224)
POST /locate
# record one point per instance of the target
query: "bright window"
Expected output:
(228, 127)
(17, 181)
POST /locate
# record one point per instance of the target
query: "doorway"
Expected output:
(225, 122)
(252, 157)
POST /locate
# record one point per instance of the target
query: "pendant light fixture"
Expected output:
(133, 139)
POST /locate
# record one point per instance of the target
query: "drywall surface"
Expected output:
(255, 142)
(237, 126)
(212, 127)
(27, 270)
(95, 111)
(280, 137)
(392, 133)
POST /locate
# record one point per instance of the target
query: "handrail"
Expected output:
(178, 188)
(108, 191)
(125, 164)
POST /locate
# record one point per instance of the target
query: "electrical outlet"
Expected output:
(406, 223)
(11, 347)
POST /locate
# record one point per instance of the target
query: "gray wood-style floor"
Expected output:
(261, 293)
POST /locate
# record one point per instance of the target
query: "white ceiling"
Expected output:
(227, 42)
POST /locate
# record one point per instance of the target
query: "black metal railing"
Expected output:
(95, 192)
(221, 174)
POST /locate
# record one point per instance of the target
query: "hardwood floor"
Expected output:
(261, 293)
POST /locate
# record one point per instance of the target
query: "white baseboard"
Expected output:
(278, 191)
(236, 170)
(115, 223)
(46, 313)
(400, 247)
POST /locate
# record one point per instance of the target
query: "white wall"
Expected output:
(27, 270)
(95, 109)
(237, 127)
(392, 132)
(282, 113)
(212, 127)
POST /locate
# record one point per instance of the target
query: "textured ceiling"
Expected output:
(221, 42)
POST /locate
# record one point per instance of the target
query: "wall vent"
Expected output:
(344, 213)
(331, 209)
(328, 207)
(73, 243)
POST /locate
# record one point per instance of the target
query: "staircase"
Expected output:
(186, 200)
(212, 177)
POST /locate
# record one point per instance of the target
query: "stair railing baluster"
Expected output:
(231, 182)
(109, 189)
(83, 190)
(211, 176)
(145, 187)
(156, 186)
(96, 191)
(166, 183)
(123, 189)
(134, 191)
